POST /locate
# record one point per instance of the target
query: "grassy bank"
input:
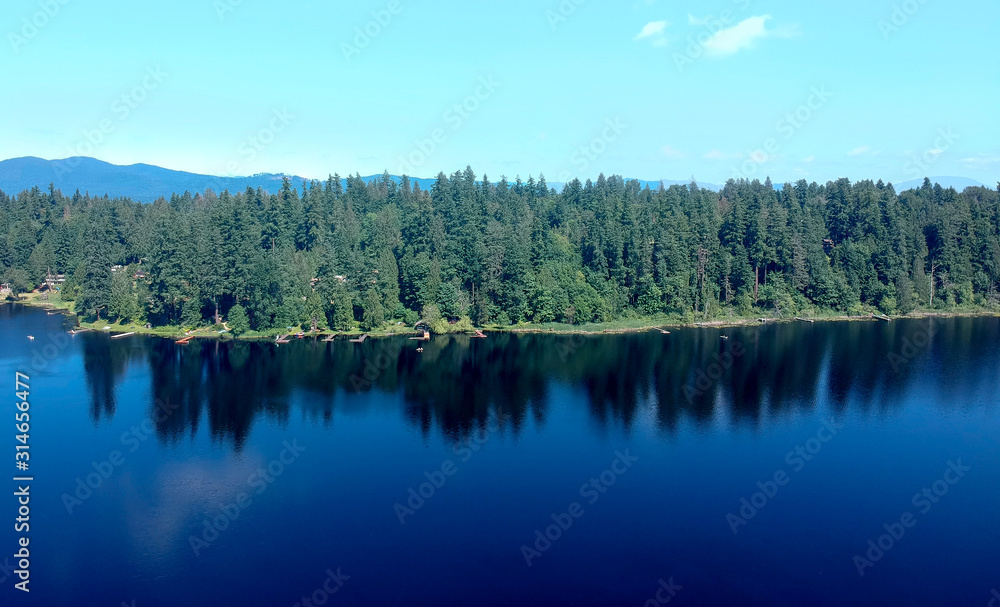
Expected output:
(636, 325)
(625, 325)
(173, 332)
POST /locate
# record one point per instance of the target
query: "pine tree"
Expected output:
(237, 320)
(373, 314)
(95, 286)
(122, 302)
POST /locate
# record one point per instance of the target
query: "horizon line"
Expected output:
(502, 177)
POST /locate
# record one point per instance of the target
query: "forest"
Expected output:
(346, 255)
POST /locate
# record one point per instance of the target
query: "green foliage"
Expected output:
(341, 308)
(95, 285)
(237, 320)
(191, 315)
(373, 315)
(315, 315)
(410, 318)
(430, 313)
(463, 324)
(504, 253)
(651, 297)
(19, 280)
(123, 304)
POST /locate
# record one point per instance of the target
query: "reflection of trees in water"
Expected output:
(458, 384)
(105, 362)
(233, 381)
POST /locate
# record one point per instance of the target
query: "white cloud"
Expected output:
(672, 153)
(720, 155)
(808, 159)
(654, 30)
(743, 35)
(981, 160)
(864, 150)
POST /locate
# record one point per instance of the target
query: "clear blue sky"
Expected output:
(649, 88)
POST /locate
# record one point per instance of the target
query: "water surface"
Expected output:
(248, 471)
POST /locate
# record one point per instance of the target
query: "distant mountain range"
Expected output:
(142, 182)
(146, 183)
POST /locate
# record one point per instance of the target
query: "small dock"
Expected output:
(661, 330)
(121, 335)
(281, 339)
(426, 337)
(804, 320)
(185, 341)
(80, 330)
(882, 317)
(360, 340)
(329, 338)
(479, 335)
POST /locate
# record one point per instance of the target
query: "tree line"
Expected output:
(346, 253)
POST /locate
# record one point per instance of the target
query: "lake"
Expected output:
(838, 463)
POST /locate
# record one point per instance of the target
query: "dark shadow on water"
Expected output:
(457, 385)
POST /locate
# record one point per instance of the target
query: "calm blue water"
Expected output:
(642, 446)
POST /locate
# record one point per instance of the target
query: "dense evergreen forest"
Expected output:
(346, 253)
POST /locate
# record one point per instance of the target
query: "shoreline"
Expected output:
(740, 322)
(641, 326)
